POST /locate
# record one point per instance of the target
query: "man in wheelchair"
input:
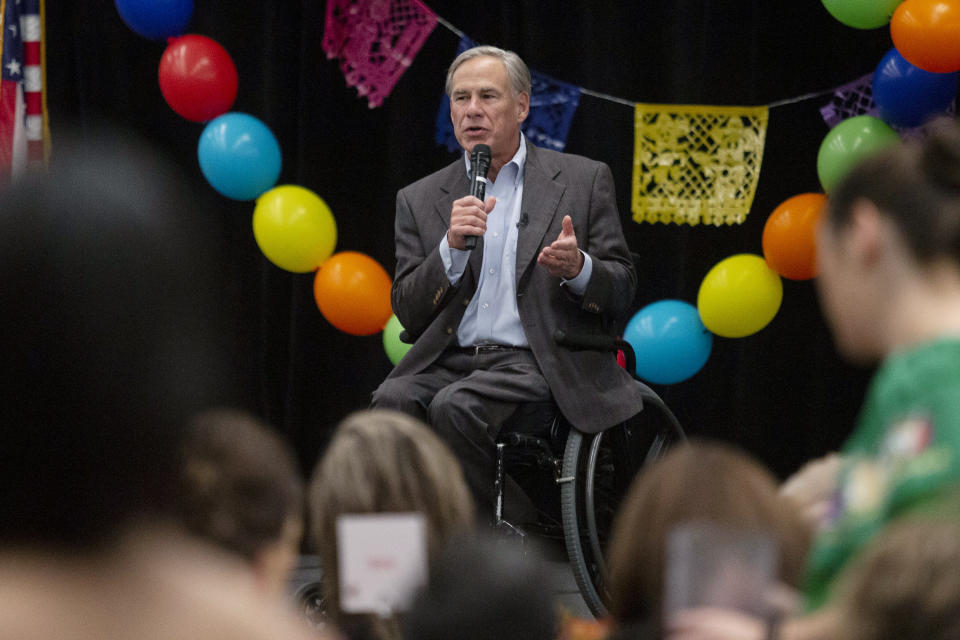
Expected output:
(550, 256)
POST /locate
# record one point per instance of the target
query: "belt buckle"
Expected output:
(477, 349)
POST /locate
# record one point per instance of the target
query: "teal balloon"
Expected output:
(862, 14)
(239, 156)
(850, 142)
(391, 340)
(669, 340)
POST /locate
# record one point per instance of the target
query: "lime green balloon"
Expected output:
(850, 142)
(391, 340)
(739, 296)
(294, 228)
(862, 14)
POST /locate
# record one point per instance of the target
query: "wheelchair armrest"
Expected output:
(592, 341)
(597, 342)
(526, 441)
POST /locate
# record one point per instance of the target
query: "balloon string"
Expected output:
(460, 34)
(632, 104)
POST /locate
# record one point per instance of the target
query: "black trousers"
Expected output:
(466, 398)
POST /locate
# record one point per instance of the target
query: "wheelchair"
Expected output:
(591, 472)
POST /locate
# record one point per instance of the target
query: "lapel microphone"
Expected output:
(522, 222)
(479, 166)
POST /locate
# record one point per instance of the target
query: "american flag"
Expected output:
(24, 137)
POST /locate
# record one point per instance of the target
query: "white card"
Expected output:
(382, 561)
(713, 565)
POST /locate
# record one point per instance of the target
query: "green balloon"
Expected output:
(850, 142)
(862, 14)
(391, 340)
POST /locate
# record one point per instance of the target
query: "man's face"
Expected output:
(485, 109)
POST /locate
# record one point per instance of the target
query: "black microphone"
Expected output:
(479, 166)
(522, 222)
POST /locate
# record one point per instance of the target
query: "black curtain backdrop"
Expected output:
(783, 393)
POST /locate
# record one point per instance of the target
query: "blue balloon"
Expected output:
(239, 156)
(907, 96)
(670, 341)
(156, 19)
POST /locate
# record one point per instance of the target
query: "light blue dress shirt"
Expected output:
(492, 316)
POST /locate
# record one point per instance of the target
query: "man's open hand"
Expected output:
(562, 258)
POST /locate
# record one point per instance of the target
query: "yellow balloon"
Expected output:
(739, 296)
(294, 228)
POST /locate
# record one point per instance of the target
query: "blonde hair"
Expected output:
(381, 461)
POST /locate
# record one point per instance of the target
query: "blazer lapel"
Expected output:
(541, 196)
(453, 185)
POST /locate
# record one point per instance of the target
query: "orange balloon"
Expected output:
(789, 236)
(927, 34)
(352, 292)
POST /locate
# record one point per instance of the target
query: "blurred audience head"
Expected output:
(241, 490)
(904, 586)
(892, 225)
(112, 337)
(481, 588)
(699, 482)
(110, 340)
(382, 461)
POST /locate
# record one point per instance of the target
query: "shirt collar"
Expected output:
(519, 158)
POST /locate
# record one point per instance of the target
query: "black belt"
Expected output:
(477, 349)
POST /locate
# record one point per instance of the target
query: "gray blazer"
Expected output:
(592, 392)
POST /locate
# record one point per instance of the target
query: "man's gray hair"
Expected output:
(517, 70)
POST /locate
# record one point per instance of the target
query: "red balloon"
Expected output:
(927, 34)
(198, 78)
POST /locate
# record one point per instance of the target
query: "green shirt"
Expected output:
(903, 457)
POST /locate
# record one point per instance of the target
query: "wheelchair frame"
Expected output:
(582, 474)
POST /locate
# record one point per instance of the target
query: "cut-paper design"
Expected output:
(696, 164)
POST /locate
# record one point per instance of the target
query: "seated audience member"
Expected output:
(484, 588)
(383, 461)
(889, 283)
(110, 335)
(240, 489)
(701, 482)
(904, 586)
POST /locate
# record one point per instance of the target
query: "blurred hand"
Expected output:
(562, 258)
(468, 218)
(711, 623)
(813, 486)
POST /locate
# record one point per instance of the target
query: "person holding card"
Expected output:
(383, 499)
(550, 255)
(704, 525)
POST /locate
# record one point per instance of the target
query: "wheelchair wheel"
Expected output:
(597, 471)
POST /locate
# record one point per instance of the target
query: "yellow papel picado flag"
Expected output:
(696, 164)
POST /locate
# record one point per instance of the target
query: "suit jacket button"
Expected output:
(449, 330)
(466, 302)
